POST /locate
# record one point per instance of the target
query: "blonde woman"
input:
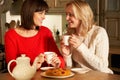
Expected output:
(88, 43)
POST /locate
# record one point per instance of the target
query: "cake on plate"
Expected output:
(58, 72)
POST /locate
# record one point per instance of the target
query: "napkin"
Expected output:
(80, 70)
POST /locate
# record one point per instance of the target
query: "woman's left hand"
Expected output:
(55, 61)
(75, 41)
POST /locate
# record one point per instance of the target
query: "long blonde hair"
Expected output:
(83, 12)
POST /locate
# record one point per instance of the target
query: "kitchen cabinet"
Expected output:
(57, 6)
(110, 20)
(5, 5)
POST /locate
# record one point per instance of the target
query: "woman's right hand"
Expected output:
(40, 60)
(64, 49)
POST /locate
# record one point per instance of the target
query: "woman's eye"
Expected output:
(40, 12)
(69, 14)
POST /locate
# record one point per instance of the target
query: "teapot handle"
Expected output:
(9, 66)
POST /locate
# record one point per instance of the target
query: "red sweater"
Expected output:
(15, 45)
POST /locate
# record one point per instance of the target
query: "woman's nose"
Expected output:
(43, 16)
(67, 17)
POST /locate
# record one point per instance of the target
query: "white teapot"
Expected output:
(23, 70)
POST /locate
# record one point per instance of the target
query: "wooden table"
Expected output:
(91, 75)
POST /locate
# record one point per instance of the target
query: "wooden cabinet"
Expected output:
(110, 19)
(5, 5)
(57, 6)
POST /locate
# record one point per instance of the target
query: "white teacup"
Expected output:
(48, 56)
(65, 39)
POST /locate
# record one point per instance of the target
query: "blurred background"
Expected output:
(107, 15)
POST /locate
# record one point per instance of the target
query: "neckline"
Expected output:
(29, 36)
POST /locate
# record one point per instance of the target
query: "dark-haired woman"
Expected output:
(31, 38)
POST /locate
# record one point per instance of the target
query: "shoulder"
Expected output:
(10, 31)
(44, 29)
(99, 30)
(100, 33)
(10, 34)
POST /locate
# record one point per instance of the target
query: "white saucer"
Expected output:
(80, 70)
(45, 68)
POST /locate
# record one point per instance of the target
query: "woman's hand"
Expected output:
(64, 48)
(75, 41)
(55, 61)
(40, 59)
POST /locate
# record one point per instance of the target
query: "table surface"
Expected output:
(91, 75)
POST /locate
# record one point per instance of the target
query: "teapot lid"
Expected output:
(23, 56)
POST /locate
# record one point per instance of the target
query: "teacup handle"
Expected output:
(9, 66)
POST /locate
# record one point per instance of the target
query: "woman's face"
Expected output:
(38, 17)
(70, 17)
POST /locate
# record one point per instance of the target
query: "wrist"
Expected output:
(66, 55)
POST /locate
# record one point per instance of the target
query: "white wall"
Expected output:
(53, 22)
(11, 17)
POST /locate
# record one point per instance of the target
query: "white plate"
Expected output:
(45, 68)
(44, 75)
(80, 70)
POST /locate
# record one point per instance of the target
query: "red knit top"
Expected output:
(15, 45)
